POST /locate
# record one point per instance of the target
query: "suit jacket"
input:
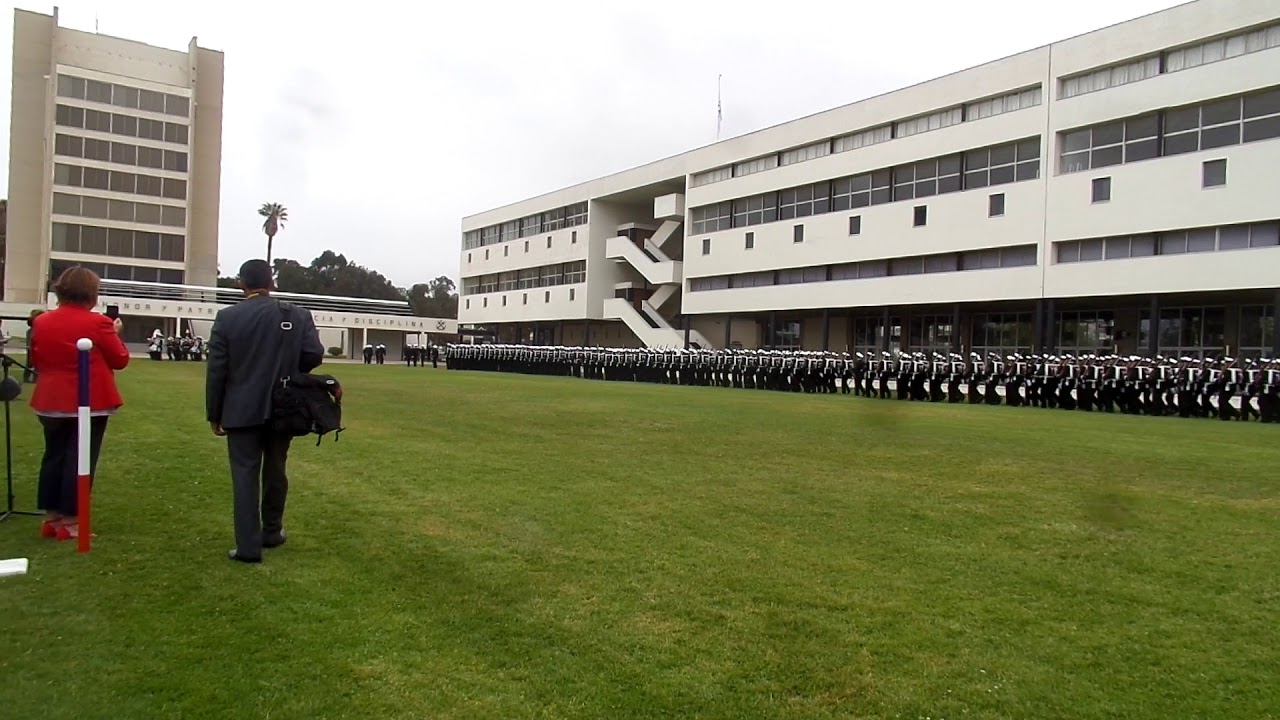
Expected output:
(56, 360)
(244, 348)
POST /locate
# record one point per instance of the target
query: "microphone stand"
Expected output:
(7, 363)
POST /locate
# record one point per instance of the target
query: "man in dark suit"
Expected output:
(248, 354)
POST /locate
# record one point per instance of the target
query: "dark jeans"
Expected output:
(259, 485)
(58, 472)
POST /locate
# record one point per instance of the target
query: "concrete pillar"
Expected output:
(684, 323)
(885, 330)
(1275, 325)
(728, 332)
(1153, 329)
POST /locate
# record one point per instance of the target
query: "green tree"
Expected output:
(275, 216)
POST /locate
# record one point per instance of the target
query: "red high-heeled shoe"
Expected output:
(71, 531)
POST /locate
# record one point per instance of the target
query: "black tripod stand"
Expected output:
(9, 391)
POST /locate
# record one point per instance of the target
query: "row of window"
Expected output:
(984, 167)
(128, 273)
(119, 153)
(1176, 242)
(1171, 61)
(550, 221)
(94, 240)
(506, 251)
(119, 181)
(987, 259)
(1189, 331)
(1218, 123)
(568, 273)
(524, 299)
(117, 124)
(124, 96)
(977, 110)
(121, 210)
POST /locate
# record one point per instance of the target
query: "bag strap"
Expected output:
(284, 373)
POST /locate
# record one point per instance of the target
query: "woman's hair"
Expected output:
(77, 286)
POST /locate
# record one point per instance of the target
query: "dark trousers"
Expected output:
(259, 485)
(58, 471)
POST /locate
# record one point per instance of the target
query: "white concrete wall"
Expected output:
(1150, 196)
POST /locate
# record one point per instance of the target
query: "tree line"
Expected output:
(332, 274)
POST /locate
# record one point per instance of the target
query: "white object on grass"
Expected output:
(16, 566)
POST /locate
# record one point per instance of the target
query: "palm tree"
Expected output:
(276, 215)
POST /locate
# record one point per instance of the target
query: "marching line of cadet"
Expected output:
(1186, 387)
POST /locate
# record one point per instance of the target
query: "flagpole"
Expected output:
(719, 107)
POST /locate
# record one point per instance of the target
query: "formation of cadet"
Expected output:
(420, 355)
(187, 347)
(1224, 388)
(375, 354)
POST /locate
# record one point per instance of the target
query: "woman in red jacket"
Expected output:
(55, 359)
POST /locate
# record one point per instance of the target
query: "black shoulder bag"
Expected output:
(302, 403)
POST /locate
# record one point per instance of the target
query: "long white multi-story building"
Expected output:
(1061, 199)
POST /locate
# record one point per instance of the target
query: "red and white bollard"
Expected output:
(83, 454)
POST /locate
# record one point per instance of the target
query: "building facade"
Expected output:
(115, 159)
(1106, 193)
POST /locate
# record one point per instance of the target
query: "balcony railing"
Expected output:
(230, 296)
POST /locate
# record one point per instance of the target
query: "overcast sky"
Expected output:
(380, 125)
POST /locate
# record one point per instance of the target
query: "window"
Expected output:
(72, 87)
(920, 216)
(1257, 331)
(855, 225)
(874, 136)
(1193, 332)
(1006, 103)
(1214, 173)
(926, 178)
(925, 123)
(804, 201)
(1222, 49)
(755, 210)
(1002, 164)
(468, 303)
(929, 332)
(808, 152)
(548, 242)
(526, 246)
(711, 176)
(504, 301)
(712, 218)
(995, 205)
(576, 214)
(546, 296)
(751, 240)
(1101, 189)
(1112, 76)
(706, 246)
(484, 302)
(1001, 333)
(524, 298)
(1086, 332)
(486, 253)
(573, 238)
(751, 167)
(531, 225)
(553, 220)
(572, 291)
(797, 234)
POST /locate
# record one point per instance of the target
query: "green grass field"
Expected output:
(483, 546)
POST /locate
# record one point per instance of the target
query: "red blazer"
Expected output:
(54, 356)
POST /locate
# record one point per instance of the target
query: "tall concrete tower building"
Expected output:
(115, 155)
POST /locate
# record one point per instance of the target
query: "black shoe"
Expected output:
(274, 540)
(235, 555)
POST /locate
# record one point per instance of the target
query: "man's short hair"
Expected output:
(77, 286)
(255, 275)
